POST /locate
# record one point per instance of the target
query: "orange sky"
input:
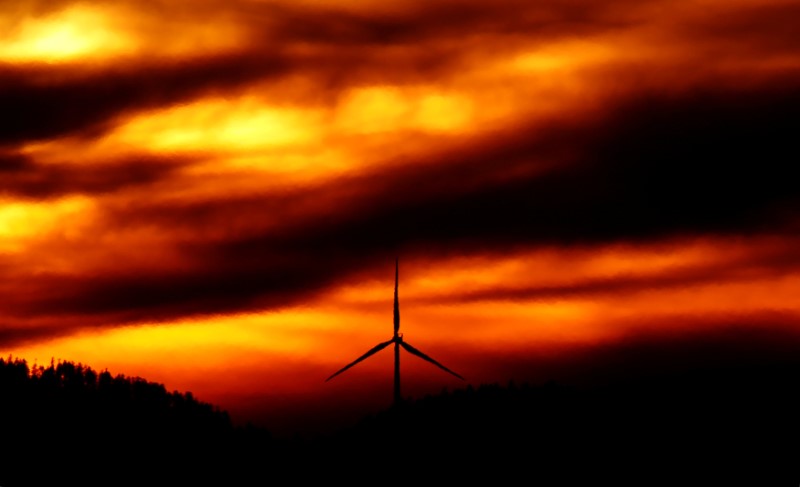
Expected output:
(212, 194)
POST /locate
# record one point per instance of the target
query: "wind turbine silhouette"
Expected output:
(397, 339)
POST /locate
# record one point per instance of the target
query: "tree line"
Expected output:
(68, 422)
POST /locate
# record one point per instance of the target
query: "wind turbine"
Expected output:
(397, 339)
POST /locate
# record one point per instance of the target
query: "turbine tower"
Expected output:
(397, 339)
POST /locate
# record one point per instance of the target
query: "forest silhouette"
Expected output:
(67, 423)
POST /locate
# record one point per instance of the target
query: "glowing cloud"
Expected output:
(24, 223)
(220, 125)
(79, 31)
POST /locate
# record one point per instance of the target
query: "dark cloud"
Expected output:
(671, 347)
(653, 166)
(129, 295)
(748, 30)
(705, 161)
(335, 48)
(14, 335)
(22, 177)
(426, 23)
(11, 163)
(627, 284)
(41, 102)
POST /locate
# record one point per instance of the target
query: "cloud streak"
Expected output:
(713, 164)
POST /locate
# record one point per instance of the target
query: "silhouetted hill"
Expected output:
(725, 426)
(729, 426)
(68, 423)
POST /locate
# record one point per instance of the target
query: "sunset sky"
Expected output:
(211, 194)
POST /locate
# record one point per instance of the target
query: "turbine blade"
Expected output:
(377, 348)
(396, 301)
(421, 355)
